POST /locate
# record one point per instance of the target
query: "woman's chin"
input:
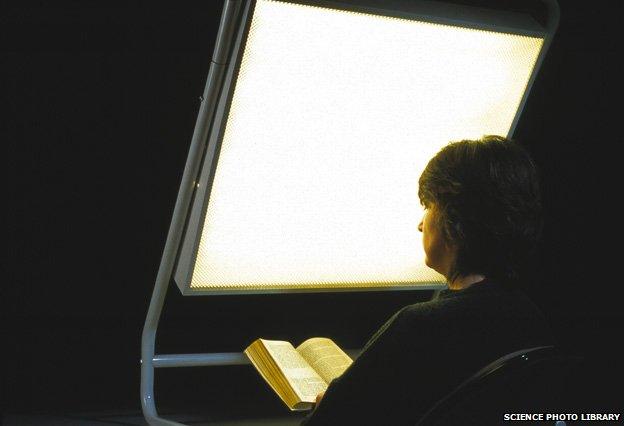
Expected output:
(434, 267)
(431, 265)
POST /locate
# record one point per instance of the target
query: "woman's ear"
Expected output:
(456, 231)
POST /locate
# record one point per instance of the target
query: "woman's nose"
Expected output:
(420, 225)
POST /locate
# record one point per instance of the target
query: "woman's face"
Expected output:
(439, 253)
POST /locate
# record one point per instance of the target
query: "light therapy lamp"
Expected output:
(315, 124)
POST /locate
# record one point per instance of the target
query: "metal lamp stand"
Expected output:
(150, 360)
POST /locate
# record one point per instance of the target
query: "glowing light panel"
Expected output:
(333, 117)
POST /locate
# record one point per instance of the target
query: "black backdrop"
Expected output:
(102, 102)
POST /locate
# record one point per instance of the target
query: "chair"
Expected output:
(525, 381)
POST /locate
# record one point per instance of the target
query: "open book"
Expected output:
(299, 374)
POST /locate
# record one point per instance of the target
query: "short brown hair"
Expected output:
(487, 193)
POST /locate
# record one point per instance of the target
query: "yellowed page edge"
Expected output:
(302, 378)
(260, 358)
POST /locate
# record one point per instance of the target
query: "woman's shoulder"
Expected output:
(483, 299)
(494, 313)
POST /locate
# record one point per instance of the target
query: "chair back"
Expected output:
(525, 381)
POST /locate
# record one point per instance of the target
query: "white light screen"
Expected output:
(333, 117)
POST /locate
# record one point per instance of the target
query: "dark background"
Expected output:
(102, 101)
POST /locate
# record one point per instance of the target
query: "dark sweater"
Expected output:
(425, 350)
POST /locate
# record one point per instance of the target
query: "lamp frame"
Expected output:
(234, 12)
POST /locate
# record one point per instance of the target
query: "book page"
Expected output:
(325, 357)
(306, 382)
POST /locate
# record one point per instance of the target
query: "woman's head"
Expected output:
(483, 197)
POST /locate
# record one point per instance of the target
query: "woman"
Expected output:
(481, 226)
